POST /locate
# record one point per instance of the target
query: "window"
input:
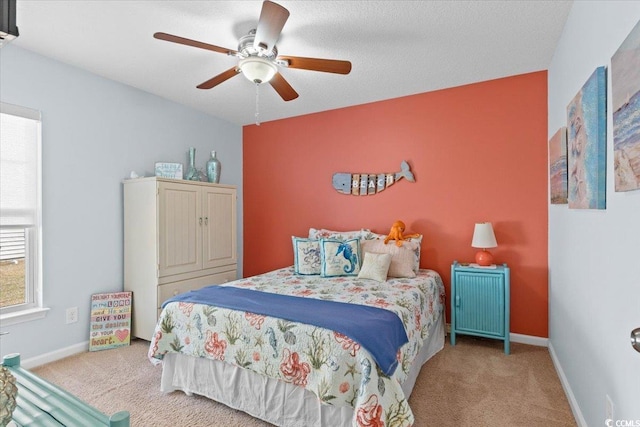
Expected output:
(20, 214)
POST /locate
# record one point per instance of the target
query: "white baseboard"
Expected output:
(519, 338)
(34, 362)
(573, 403)
(529, 339)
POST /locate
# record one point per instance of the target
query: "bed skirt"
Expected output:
(274, 401)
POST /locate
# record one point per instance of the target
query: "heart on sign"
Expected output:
(122, 334)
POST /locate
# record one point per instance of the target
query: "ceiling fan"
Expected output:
(259, 60)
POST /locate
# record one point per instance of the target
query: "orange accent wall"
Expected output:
(478, 152)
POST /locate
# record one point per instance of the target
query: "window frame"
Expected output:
(33, 307)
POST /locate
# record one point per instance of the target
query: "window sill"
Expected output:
(23, 316)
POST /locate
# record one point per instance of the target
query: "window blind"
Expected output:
(19, 158)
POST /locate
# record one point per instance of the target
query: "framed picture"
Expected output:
(586, 144)
(169, 170)
(625, 92)
(558, 167)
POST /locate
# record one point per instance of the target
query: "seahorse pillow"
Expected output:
(306, 256)
(340, 257)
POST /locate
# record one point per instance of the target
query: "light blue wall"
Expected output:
(94, 133)
(594, 255)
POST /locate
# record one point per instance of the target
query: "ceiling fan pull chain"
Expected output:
(257, 104)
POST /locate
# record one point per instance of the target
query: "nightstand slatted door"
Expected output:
(480, 304)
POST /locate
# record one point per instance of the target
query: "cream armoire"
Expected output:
(178, 235)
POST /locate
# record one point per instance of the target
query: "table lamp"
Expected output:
(484, 238)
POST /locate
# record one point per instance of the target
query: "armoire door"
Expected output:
(180, 225)
(219, 237)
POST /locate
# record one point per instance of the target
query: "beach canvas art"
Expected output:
(558, 167)
(625, 88)
(586, 144)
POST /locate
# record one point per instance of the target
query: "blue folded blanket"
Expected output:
(378, 330)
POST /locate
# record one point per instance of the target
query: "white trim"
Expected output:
(33, 307)
(55, 355)
(16, 110)
(573, 403)
(519, 338)
(13, 318)
(529, 339)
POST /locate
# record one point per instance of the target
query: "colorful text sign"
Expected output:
(110, 320)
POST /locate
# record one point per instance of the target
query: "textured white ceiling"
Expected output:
(397, 48)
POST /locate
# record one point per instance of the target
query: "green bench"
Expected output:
(40, 403)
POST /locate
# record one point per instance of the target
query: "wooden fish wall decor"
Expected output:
(362, 184)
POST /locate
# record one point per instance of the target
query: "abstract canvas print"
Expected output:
(625, 88)
(586, 144)
(558, 167)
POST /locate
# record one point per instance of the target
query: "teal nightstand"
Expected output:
(480, 302)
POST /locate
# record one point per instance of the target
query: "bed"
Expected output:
(291, 373)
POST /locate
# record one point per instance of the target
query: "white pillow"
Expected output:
(375, 266)
(402, 257)
(322, 233)
(416, 252)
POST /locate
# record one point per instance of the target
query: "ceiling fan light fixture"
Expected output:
(257, 70)
(259, 60)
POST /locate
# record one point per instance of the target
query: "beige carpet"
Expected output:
(471, 384)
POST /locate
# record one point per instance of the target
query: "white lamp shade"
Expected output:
(258, 70)
(483, 236)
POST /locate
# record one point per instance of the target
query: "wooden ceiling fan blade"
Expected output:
(316, 64)
(283, 87)
(219, 78)
(194, 43)
(272, 20)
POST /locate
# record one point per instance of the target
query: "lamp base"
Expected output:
(484, 258)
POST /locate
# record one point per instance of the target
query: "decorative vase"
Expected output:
(214, 168)
(8, 393)
(192, 173)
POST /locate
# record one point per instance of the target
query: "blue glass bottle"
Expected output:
(214, 168)
(192, 172)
